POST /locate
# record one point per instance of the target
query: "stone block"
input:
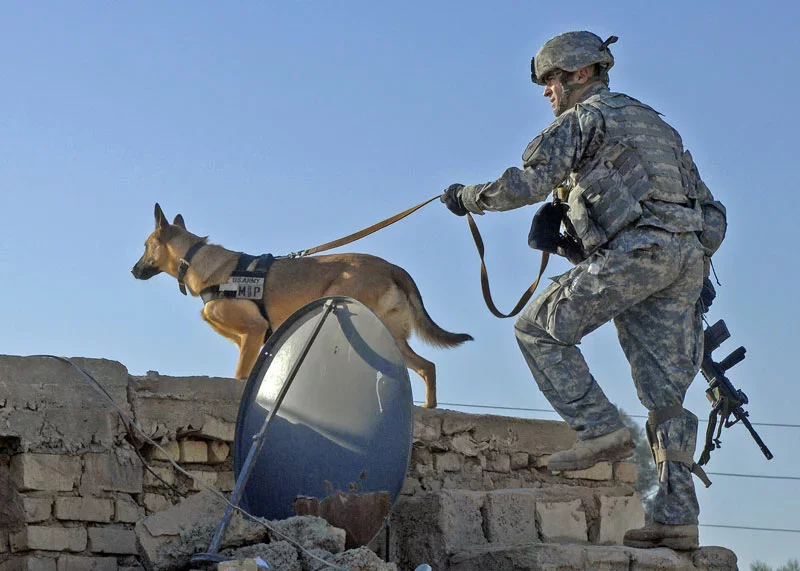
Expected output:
(250, 564)
(80, 563)
(411, 486)
(607, 558)
(430, 526)
(599, 472)
(155, 503)
(226, 481)
(498, 462)
(714, 558)
(111, 539)
(218, 452)
(539, 557)
(49, 538)
(535, 437)
(37, 509)
(169, 450)
(50, 406)
(455, 422)
(465, 444)
(427, 425)
(47, 472)
(519, 460)
(119, 471)
(447, 462)
(193, 451)
(657, 560)
(626, 472)
(159, 477)
(166, 407)
(509, 517)
(562, 521)
(127, 511)
(29, 563)
(618, 514)
(311, 532)
(209, 478)
(541, 461)
(84, 509)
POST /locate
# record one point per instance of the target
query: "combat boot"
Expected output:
(610, 447)
(654, 534)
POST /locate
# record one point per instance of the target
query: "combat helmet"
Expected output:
(571, 51)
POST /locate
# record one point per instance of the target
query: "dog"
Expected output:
(388, 290)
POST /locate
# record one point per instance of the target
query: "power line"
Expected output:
(551, 411)
(750, 528)
(754, 476)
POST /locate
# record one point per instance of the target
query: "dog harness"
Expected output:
(237, 285)
(247, 281)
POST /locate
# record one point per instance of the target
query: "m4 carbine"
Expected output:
(726, 400)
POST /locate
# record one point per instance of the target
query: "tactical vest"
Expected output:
(638, 176)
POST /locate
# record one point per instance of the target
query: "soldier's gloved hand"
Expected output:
(707, 294)
(546, 228)
(569, 248)
(452, 199)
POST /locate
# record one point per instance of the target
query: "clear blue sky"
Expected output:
(276, 126)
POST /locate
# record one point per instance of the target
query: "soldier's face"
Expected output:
(554, 91)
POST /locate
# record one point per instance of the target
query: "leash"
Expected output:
(476, 236)
(487, 294)
(361, 233)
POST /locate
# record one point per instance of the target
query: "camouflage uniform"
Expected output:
(643, 270)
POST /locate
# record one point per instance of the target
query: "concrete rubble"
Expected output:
(78, 491)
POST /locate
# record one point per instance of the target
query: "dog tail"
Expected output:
(424, 326)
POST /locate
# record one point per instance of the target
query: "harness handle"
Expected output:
(487, 294)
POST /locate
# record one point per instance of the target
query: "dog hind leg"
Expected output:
(423, 368)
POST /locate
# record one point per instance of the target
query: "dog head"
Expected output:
(158, 256)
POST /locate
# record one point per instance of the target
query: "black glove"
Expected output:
(452, 199)
(546, 227)
(707, 295)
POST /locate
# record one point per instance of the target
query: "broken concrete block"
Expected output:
(169, 450)
(82, 563)
(127, 511)
(509, 517)
(618, 514)
(169, 538)
(310, 532)
(218, 452)
(626, 472)
(111, 539)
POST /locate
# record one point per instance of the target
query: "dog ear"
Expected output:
(179, 221)
(161, 220)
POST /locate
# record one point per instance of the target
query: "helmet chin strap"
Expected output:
(568, 92)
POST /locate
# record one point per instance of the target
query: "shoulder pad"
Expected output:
(618, 101)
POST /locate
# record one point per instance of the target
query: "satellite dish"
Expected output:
(331, 399)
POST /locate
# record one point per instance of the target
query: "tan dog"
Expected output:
(290, 284)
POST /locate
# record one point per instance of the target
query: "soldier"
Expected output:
(641, 227)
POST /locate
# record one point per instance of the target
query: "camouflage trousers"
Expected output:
(648, 281)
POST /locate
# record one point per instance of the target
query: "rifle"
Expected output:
(726, 400)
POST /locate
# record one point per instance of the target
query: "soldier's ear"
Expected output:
(179, 221)
(161, 220)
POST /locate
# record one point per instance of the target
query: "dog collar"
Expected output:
(183, 267)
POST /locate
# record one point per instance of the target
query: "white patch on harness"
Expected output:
(245, 285)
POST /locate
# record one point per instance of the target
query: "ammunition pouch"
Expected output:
(663, 455)
(608, 198)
